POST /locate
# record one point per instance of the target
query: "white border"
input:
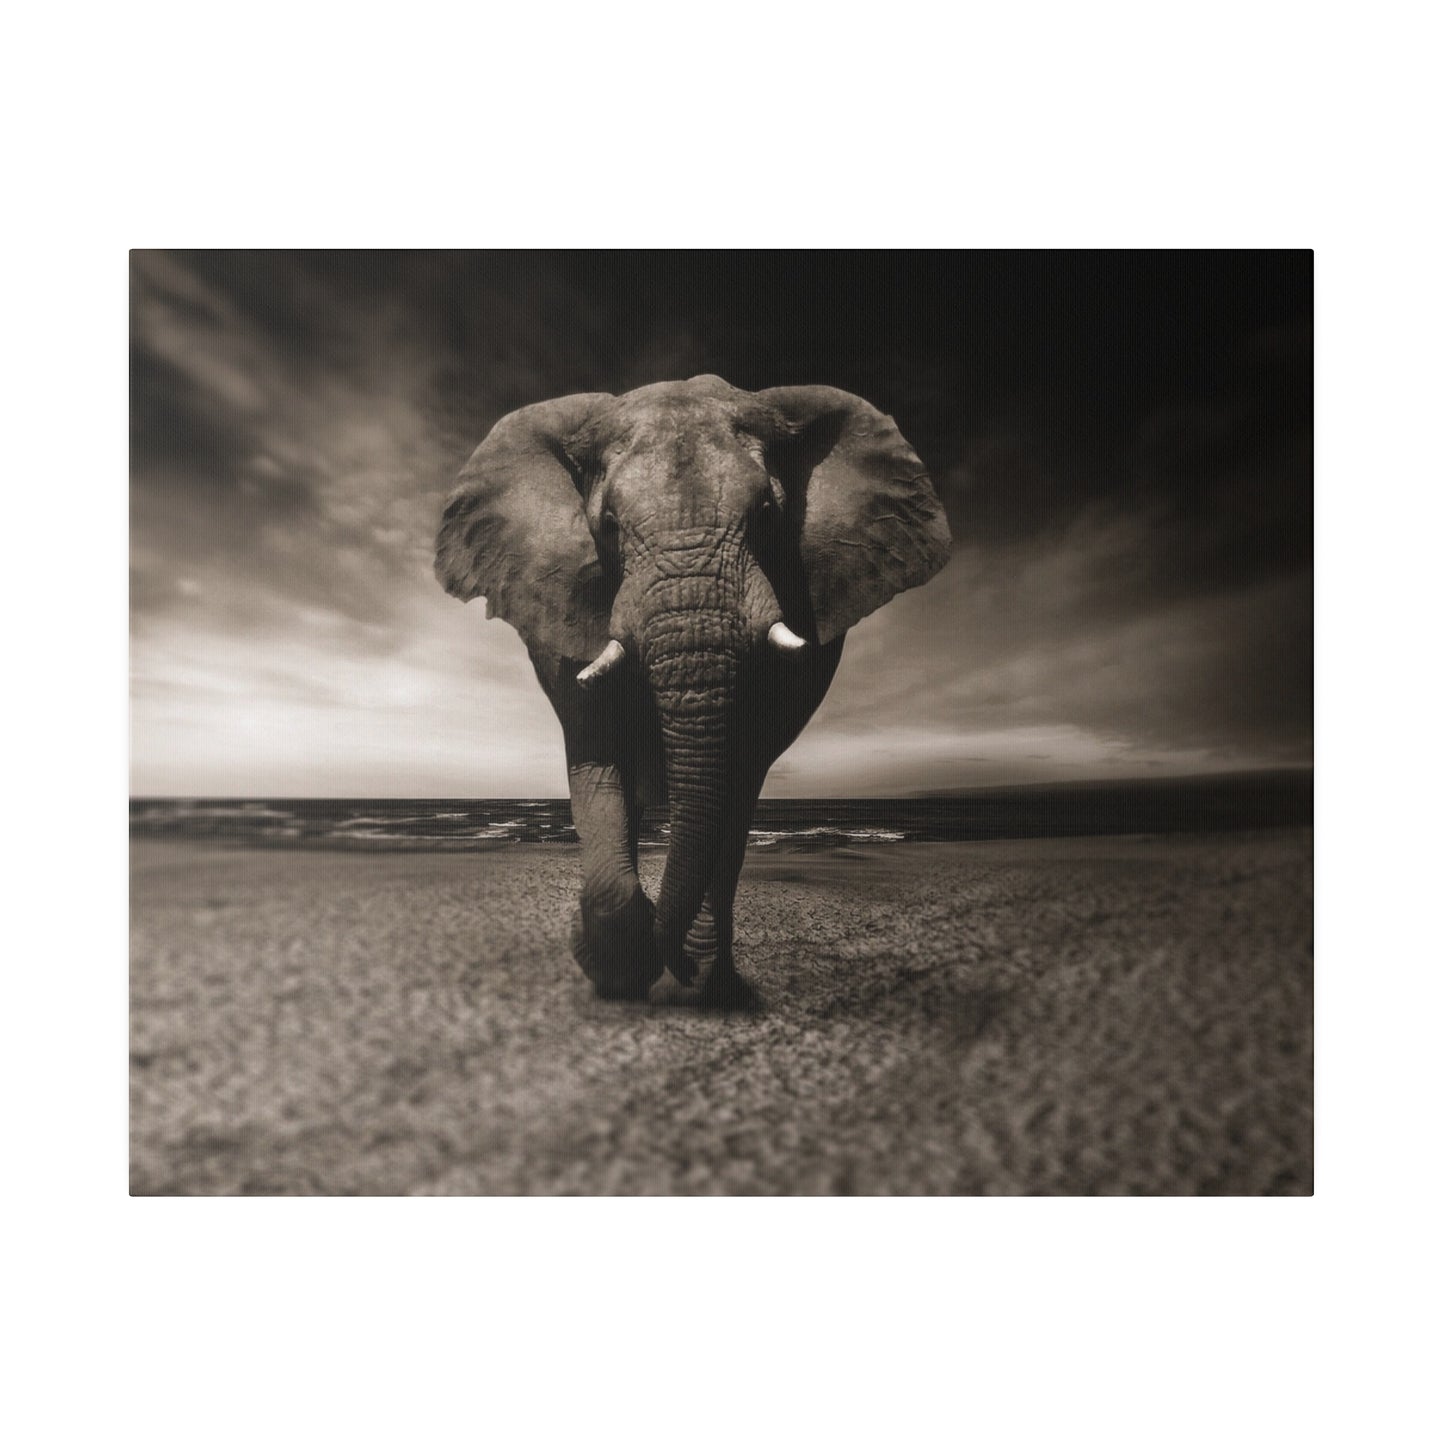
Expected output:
(1253, 125)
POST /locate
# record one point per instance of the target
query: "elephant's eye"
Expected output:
(769, 505)
(609, 520)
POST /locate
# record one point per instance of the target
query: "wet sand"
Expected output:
(1058, 1016)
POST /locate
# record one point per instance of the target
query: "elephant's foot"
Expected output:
(676, 958)
(726, 992)
(700, 951)
(721, 986)
(706, 972)
(614, 946)
(726, 989)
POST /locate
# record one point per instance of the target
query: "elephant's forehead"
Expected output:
(696, 403)
(670, 419)
(696, 388)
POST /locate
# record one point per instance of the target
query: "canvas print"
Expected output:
(630, 722)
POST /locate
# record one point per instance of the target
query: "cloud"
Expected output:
(1131, 579)
(1071, 632)
(450, 708)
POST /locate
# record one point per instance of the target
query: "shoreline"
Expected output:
(362, 847)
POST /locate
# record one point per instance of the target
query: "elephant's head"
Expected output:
(682, 529)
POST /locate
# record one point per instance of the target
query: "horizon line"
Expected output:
(916, 794)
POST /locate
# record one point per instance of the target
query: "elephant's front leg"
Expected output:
(612, 938)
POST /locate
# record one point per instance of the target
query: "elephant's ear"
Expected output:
(870, 524)
(514, 531)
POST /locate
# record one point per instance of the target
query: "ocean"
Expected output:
(1151, 805)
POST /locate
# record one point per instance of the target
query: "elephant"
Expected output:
(682, 562)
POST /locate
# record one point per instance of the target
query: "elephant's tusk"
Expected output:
(784, 638)
(602, 664)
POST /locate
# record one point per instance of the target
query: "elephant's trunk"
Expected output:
(691, 648)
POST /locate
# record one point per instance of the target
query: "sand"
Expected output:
(1073, 1016)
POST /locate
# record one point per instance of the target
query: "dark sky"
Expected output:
(1123, 442)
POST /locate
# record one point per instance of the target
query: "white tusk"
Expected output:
(602, 664)
(784, 638)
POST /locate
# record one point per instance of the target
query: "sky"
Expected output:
(1122, 440)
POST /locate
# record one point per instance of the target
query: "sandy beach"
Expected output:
(1060, 1016)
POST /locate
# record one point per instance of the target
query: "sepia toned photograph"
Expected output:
(721, 723)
